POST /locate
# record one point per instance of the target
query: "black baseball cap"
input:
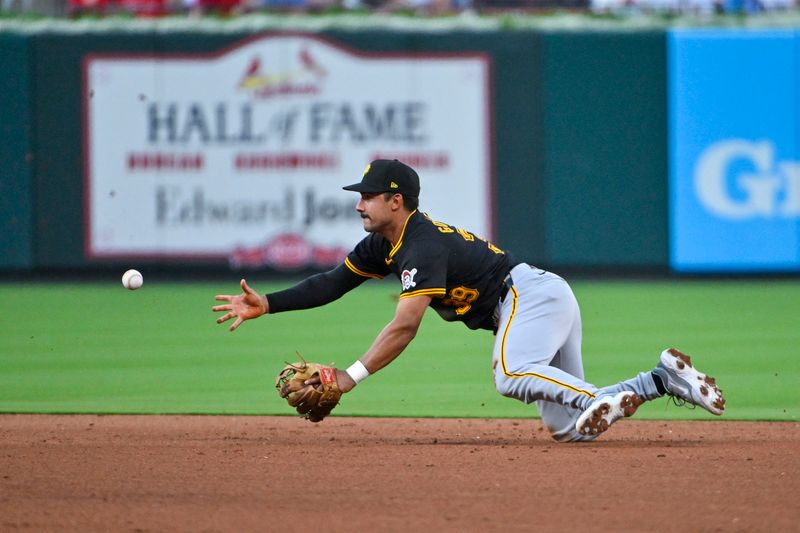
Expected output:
(387, 175)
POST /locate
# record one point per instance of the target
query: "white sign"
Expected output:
(242, 155)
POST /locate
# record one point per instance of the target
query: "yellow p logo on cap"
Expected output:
(393, 185)
(366, 170)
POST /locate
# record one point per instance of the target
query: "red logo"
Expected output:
(305, 78)
(289, 251)
(327, 375)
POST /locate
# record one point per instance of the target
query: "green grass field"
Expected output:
(97, 348)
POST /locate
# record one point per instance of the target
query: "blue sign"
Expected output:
(734, 102)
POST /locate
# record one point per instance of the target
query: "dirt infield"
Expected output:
(221, 473)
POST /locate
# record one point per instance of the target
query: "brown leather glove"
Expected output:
(314, 402)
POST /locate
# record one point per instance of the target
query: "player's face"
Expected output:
(375, 212)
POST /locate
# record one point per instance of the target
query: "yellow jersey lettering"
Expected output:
(494, 248)
(441, 226)
(461, 298)
(467, 235)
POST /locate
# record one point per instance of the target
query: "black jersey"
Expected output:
(460, 271)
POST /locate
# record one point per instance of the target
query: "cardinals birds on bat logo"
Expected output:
(305, 78)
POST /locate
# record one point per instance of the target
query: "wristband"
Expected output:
(358, 372)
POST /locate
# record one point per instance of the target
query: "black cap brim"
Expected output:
(361, 187)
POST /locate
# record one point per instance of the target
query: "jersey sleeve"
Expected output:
(366, 259)
(423, 270)
(315, 291)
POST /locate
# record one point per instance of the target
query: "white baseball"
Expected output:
(132, 279)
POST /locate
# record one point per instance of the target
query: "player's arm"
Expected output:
(392, 340)
(314, 291)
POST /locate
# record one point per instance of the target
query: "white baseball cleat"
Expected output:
(604, 411)
(683, 381)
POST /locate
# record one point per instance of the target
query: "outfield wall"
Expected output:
(17, 234)
(576, 161)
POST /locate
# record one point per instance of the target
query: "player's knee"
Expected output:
(569, 434)
(504, 385)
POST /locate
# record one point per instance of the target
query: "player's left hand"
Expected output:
(245, 306)
(311, 388)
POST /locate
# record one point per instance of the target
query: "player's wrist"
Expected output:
(357, 372)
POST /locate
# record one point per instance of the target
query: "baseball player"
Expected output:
(533, 313)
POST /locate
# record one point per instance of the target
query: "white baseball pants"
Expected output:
(537, 352)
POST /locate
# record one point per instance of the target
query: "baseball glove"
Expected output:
(314, 402)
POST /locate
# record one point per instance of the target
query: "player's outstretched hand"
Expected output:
(243, 306)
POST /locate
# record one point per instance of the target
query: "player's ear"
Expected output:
(389, 199)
